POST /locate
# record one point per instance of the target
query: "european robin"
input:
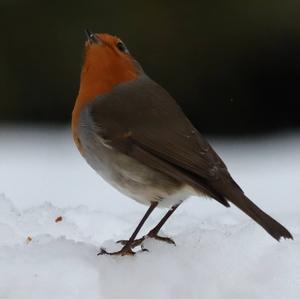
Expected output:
(134, 134)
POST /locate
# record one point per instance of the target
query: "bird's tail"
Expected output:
(274, 228)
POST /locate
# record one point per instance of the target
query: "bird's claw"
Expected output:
(133, 244)
(126, 250)
(164, 239)
(140, 241)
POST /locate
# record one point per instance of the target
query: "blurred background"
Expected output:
(233, 66)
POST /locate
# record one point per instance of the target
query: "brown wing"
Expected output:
(143, 121)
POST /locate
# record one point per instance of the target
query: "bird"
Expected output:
(133, 133)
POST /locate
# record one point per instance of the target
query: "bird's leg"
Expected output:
(127, 249)
(154, 232)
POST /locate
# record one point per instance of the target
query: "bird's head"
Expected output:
(107, 63)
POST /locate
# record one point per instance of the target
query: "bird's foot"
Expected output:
(133, 244)
(126, 250)
(163, 239)
(140, 241)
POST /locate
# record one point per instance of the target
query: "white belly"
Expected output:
(129, 176)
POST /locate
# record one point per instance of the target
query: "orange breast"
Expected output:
(102, 70)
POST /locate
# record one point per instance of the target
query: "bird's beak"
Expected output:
(92, 37)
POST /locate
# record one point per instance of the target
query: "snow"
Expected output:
(220, 253)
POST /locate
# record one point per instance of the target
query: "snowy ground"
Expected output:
(220, 253)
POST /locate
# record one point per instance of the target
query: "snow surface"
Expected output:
(220, 253)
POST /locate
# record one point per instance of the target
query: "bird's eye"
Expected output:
(121, 46)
